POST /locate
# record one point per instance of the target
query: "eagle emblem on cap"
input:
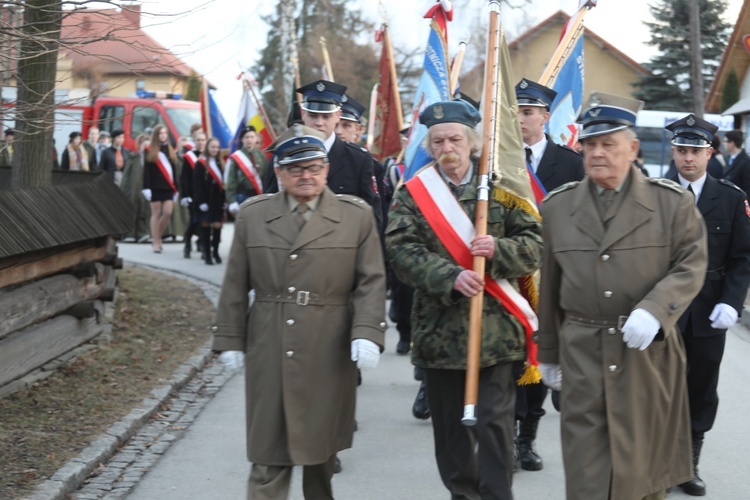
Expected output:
(297, 130)
(690, 121)
(320, 86)
(595, 101)
(524, 84)
(439, 113)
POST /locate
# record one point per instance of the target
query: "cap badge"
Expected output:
(439, 113)
(690, 121)
(320, 86)
(344, 98)
(524, 84)
(297, 130)
(595, 101)
(594, 112)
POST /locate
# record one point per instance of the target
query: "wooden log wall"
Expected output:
(50, 304)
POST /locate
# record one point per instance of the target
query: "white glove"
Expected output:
(366, 353)
(175, 196)
(723, 316)
(233, 360)
(146, 194)
(186, 201)
(551, 375)
(203, 207)
(234, 207)
(640, 329)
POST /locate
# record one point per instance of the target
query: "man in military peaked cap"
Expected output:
(351, 167)
(311, 324)
(624, 255)
(550, 165)
(474, 462)
(704, 325)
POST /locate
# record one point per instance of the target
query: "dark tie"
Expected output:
(607, 197)
(528, 157)
(690, 189)
(299, 214)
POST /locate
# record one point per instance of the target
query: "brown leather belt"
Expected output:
(302, 298)
(598, 321)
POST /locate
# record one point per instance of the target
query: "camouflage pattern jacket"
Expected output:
(440, 316)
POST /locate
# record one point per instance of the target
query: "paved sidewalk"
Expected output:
(200, 451)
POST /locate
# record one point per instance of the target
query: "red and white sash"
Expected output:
(248, 168)
(191, 158)
(455, 231)
(213, 169)
(166, 170)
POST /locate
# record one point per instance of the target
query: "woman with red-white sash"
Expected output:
(160, 183)
(210, 198)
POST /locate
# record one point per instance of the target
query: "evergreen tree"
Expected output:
(193, 88)
(668, 84)
(731, 92)
(354, 56)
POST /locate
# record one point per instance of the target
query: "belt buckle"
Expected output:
(303, 297)
(621, 322)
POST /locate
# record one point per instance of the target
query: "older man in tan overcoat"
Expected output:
(624, 255)
(318, 314)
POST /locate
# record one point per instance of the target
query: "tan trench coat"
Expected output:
(624, 411)
(300, 380)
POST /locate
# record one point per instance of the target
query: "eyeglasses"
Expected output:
(296, 170)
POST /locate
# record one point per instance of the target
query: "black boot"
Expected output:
(526, 436)
(695, 487)
(216, 239)
(421, 409)
(206, 232)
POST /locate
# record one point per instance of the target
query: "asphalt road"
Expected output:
(392, 456)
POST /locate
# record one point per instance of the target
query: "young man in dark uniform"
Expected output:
(352, 170)
(554, 165)
(704, 325)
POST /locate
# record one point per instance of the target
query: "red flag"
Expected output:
(388, 119)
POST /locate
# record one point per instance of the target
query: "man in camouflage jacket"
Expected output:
(440, 316)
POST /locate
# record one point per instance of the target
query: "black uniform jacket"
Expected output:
(351, 171)
(727, 216)
(739, 172)
(559, 165)
(109, 160)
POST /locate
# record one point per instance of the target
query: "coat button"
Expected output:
(382, 324)
(290, 322)
(605, 257)
(289, 354)
(612, 368)
(293, 256)
(607, 294)
(611, 331)
(291, 289)
(214, 328)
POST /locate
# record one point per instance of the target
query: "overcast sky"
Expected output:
(217, 37)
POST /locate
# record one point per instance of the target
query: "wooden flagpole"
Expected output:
(455, 70)
(489, 115)
(394, 80)
(250, 85)
(326, 59)
(573, 31)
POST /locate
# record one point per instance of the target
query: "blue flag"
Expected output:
(433, 87)
(566, 108)
(213, 121)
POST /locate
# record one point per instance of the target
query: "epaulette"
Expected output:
(257, 199)
(730, 184)
(560, 189)
(357, 147)
(661, 181)
(354, 200)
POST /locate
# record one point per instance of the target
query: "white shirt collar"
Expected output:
(537, 151)
(696, 185)
(328, 143)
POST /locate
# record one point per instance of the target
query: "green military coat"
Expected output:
(440, 315)
(300, 379)
(236, 180)
(625, 418)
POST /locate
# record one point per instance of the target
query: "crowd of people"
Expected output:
(640, 280)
